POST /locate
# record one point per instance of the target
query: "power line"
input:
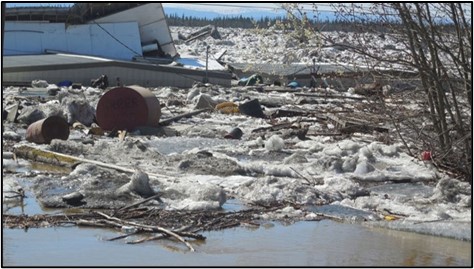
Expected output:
(249, 7)
(112, 36)
(314, 8)
(360, 10)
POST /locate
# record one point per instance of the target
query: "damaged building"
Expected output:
(129, 42)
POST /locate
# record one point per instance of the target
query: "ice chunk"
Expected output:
(363, 167)
(139, 184)
(274, 143)
(194, 196)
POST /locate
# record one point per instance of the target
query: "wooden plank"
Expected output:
(329, 96)
(185, 115)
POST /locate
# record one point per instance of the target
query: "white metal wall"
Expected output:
(91, 39)
(151, 22)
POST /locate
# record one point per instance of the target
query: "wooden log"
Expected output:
(61, 159)
(330, 96)
(274, 127)
(303, 177)
(180, 231)
(348, 126)
(41, 155)
(324, 134)
(121, 236)
(158, 228)
(185, 115)
(290, 113)
(156, 196)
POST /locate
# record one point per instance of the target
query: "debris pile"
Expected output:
(279, 152)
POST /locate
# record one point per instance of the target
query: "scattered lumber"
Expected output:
(119, 222)
(153, 222)
(274, 127)
(349, 126)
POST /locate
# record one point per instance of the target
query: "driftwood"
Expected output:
(369, 89)
(110, 221)
(349, 126)
(324, 134)
(310, 182)
(362, 128)
(387, 179)
(156, 196)
(149, 227)
(329, 96)
(146, 221)
(185, 115)
(274, 127)
(121, 236)
(280, 89)
(62, 159)
(156, 237)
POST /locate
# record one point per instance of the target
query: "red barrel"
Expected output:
(125, 108)
(45, 130)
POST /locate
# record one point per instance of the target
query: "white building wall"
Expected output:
(23, 38)
(151, 22)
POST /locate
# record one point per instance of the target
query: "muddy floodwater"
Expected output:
(309, 243)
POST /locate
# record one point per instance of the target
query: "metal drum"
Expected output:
(125, 108)
(45, 130)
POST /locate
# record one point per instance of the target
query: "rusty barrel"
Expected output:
(125, 108)
(45, 130)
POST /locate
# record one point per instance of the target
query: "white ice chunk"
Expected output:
(274, 143)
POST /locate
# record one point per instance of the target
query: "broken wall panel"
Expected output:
(24, 38)
(151, 22)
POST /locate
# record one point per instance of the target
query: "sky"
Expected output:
(234, 7)
(221, 8)
(217, 9)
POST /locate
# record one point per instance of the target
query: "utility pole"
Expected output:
(206, 79)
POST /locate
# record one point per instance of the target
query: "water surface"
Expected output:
(312, 243)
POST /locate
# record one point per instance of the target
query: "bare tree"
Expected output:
(435, 41)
